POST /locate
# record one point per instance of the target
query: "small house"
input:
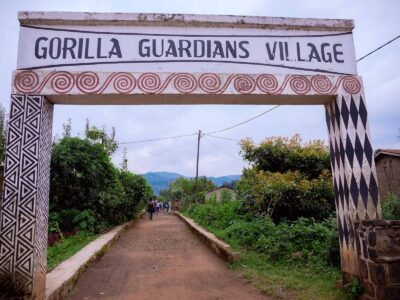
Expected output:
(387, 163)
(220, 193)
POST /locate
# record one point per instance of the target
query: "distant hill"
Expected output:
(160, 180)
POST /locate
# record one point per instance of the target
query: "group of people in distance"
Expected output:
(155, 207)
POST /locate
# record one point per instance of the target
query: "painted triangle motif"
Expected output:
(6, 222)
(36, 100)
(16, 123)
(28, 162)
(28, 235)
(15, 109)
(5, 250)
(13, 177)
(29, 135)
(15, 149)
(32, 149)
(10, 206)
(9, 193)
(13, 135)
(10, 235)
(28, 205)
(25, 221)
(27, 189)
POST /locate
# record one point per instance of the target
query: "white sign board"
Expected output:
(188, 49)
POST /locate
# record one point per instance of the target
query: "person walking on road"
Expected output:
(166, 206)
(150, 209)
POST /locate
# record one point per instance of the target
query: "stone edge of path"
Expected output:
(61, 280)
(222, 249)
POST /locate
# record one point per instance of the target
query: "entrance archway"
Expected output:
(79, 58)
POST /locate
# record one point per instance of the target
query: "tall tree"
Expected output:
(67, 128)
(99, 136)
(87, 127)
(124, 164)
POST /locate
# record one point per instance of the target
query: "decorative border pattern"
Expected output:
(23, 217)
(353, 171)
(62, 82)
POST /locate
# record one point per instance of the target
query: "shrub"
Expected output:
(391, 207)
(226, 196)
(302, 240)
(278, 154)
(215, 214)
(286, 195)
(86, 190)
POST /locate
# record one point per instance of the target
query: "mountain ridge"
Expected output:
(160, 180)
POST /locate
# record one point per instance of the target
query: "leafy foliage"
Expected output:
(287, 195)
(354, 288)
(226, 196)
(300, 241)
(185, 189)
(391, 207)
(278, 154)
(87, 191)
(288, 179)
(99, 136)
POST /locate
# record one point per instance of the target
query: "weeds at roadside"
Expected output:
(67, 247)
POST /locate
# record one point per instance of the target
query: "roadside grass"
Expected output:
(284, 280)
(67, 247)
(289, 281)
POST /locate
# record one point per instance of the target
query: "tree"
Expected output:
(287, 179)
(67, 128)
(79, 171)
(87, 127)
(84, 180)
(279, 154)
(185, 189)
(99, 136)
(124, 164)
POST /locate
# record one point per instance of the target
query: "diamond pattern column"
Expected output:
(354, 174)
(24, 210)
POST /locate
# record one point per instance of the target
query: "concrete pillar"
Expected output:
(353, 171)
(24, 210)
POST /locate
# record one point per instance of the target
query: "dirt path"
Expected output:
(161, 260)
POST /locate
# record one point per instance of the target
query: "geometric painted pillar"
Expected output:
(24, 211)
(353, 171)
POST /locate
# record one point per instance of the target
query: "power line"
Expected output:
(222, 137)
(220, 148)
(380, 47)
(158, 139)
(207, 133)
(166, 151)
(244, 122)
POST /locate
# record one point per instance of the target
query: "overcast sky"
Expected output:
(376, 22)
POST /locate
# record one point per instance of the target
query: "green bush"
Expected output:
(391, 207)
(215, 214)
(226, 196)
(285, 195)
(184, 189)
(87, 191)
(302, 240)
(279, 154)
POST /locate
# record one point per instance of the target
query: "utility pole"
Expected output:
(197, 164)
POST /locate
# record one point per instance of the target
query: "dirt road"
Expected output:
(161, 260)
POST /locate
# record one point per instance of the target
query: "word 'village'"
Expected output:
(85, 48)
